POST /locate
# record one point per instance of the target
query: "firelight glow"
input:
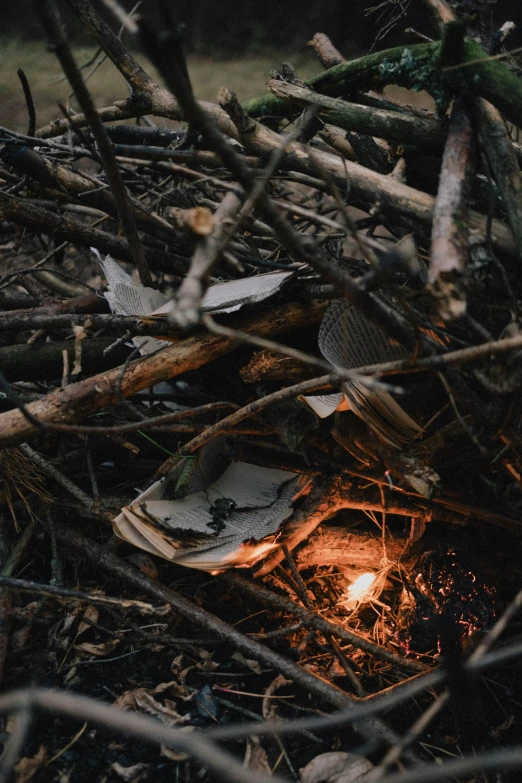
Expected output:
(358, 590)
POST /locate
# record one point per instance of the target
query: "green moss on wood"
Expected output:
(415, 67)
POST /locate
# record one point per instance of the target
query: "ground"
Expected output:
(247, 77)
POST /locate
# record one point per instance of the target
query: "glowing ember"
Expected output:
(358, 591)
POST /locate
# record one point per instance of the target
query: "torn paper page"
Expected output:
(230, 296)
(234, 521)
(227, 297)
(323, 405)
(348, 340)
(125, 297)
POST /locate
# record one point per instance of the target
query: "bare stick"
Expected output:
(143, 728)
(424, 132)
(53, 175)
(52, 591)
(138, 79)
(23, 718)
(84, 499)
(497, 144)
(325, 50)
(251, 409)
(166, 53)
(58, 42)
(441, 11)
(502, 158)
(187, 305)
(63, 227)
(368, 185)
(449, 238)
(29, 102)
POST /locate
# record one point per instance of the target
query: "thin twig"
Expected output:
(60, 45)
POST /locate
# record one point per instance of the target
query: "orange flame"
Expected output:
(360, 590)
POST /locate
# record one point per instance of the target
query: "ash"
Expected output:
(449, 602)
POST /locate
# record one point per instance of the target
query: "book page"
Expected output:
(128, 298)
(347, 339)
(185, 531)
(230, 296)
(125, 297)
(323, 405)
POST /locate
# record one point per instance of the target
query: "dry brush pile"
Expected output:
(306, 363)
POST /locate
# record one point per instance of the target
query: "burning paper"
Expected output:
(233, 521)
(348, 340)
(366, 588)
(125, 297)
(359, 589)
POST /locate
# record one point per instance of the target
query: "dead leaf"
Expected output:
(268, 708)
(255, 756)
(248, 662)
(177, 690)
(131, 774)
(89, 613)
(497, 731)
(177, 669)
(28, 766)
(97, 649)
(206, 666)
(336, 767)
(175, 755)
(142, 700)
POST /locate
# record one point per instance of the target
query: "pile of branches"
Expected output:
(412, 217)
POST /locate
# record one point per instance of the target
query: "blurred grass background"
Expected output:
(247, 76)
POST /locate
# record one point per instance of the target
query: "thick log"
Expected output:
(44, 361)
(403, 65)
(339, 547)
(77, 400)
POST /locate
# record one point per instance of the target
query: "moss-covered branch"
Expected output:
(416, 67)
(398, 127)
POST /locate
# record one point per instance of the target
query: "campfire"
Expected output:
(260, 431)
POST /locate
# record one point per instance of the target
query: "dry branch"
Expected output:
(62, 227)
(503, 161)
(364, 184)
(59, 178)
(339, 547)
(327, 53)
(397, 127)
(77, 400)
(449, 236)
